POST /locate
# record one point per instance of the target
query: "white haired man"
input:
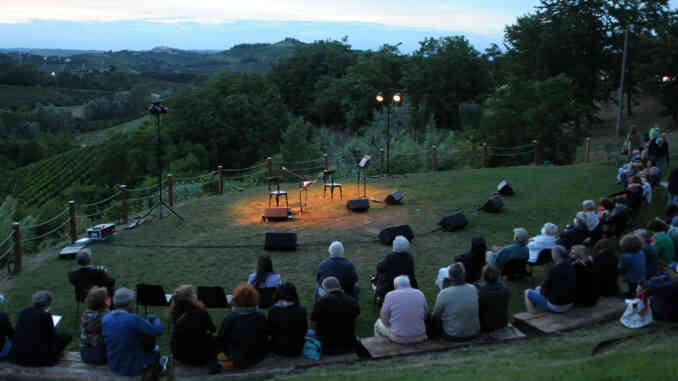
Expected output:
(545, 241)
(589, 209)
(517, 250)
(341, 268)
(398, 262)
(403, 315)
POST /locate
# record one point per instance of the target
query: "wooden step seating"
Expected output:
(380, 347)
(549, 322)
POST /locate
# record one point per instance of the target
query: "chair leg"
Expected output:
(324, 191)
(287, 201)
(341, 194)
(269, 199)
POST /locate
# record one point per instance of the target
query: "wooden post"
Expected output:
(221, 179)
(381, 161)
(123, 204)
(71, 210)
(434, 159)
(588, 149)
(325, 161)
(170, 190)
(535, 142)
(484, 155)
(18, 263)
(270, 166)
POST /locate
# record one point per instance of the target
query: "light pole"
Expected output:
(393, 99)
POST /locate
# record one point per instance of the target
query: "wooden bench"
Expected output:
(381, 347)
(71, 367)
(549, 322)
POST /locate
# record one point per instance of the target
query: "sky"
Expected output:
(220, 24)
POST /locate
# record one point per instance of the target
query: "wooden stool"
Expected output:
(328, 180)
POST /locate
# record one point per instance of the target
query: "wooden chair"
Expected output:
(328, 182)
(275, 180)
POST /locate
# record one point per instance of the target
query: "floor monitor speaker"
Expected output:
(394, 198)
(454, 222)
(358, 205)
(281, 241)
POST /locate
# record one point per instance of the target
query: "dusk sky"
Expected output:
(220, 24)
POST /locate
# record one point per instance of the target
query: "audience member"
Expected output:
(88, 276)
(605, 206)
(517, 250)
(589, 209)
(662, 291)
(673, 234)
(662, 242)
(129, 339)
(545, 241)
(339, 267)
(6, 335)
(493, 301)
(673, 188)
(632, 265)
(36, 341)
(651, 259)
(474, 260)
(192, 340)
(399, 262)
(587, 275)
(264, 277)
(605, 260)
(244, 332)
(658, 153)
(456, 308)
(287, 322)
(559, 290)
(403, 315)
(334, 317)
(574, 234)
(92, 347)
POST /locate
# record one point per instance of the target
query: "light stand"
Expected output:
(395, 98)
(156, 109)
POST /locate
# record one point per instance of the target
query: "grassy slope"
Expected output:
(100, 136)
(543, 194)
(11, 96)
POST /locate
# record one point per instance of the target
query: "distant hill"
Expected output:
(48, 52)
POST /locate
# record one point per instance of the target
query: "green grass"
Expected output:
(16, 96)
(543, 194)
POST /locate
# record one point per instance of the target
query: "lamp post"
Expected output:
(393, 99)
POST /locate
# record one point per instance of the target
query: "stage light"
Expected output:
(396, 98)
(380, 97)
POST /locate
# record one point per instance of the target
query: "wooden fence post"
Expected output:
(71, 210)
(123, 204)
(18, 263)
(434, 159)
(170, 190)
(588, 149)
(381, 161)
(536, 143)
(325, 161)
(221, 179)
(484, 155)
(270, 166)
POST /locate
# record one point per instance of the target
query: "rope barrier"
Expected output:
(46, 234)
(48, 221)
(116, 194)
(512, 148)
(245, 169)
(195, 177)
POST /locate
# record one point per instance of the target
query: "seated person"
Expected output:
(403, 315)
(588, 284)
(493, 301)
(653, 177)
(646, 187)
(130, 339)
(92, 347)
(615, 222)
(605, 206)
(651, 259)
(264, 277)
(574, 234)
(334, 318)
(88, 276)
(517, 250)
(662, 242)
(244, 332)
(634, 193)
(339, 267)
(605, 260)
(6, 335)
(632, 265)
(673, 234)
(545, 241)
(559, 290)
(455, 314)
(399, 262)
(589, 209)
(192, 340)
(474, 260)
(662, 291)
(36, 341)
(287, 322)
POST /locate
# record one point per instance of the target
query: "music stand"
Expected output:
(213, 297)
(150, 295)
(362, 166)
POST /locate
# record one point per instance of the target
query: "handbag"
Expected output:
(638, 313)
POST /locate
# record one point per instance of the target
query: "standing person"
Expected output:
(402, 318)
(333, 319)
(243, 334)
(456, 308)
(192, 341)
(36, 341)
(632, 265)
(658, 153)
(130, 339)
(341, 268)
(398, 262)
(559, 290)
(287, 322)
(493, 301)
(92, 347)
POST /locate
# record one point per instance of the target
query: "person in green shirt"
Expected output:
(662, 242)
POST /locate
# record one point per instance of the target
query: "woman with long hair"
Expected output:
(287, 322)
(264, 277)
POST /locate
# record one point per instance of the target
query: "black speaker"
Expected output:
(281, 241)
(493, 205)
(359, 205)
(387, 235)
(454, 222)
(394, 198)
(504, 188)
